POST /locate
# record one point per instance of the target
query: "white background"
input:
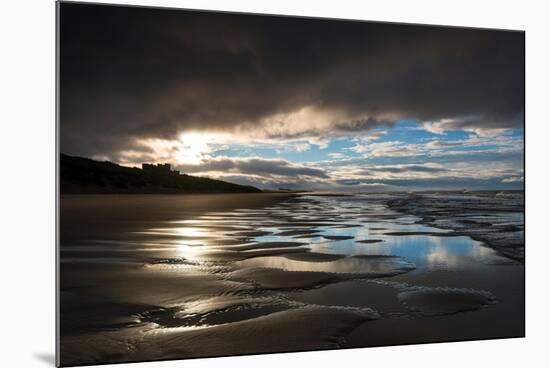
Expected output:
(27, 181)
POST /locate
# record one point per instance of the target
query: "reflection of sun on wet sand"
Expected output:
(258, 335)
(147, 277)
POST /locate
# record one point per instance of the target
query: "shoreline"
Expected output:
(179, 194)
(483, 232)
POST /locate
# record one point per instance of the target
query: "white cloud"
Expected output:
(301, 147)
(515, 179)
(337, 155)
(386, 149)
(465, 123)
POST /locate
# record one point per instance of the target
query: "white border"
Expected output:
(28, 108)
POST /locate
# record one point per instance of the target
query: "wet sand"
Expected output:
(147, 277)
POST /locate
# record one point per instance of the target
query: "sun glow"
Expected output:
(189, 148)
(195, 146)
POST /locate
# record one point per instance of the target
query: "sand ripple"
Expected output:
(441, 301)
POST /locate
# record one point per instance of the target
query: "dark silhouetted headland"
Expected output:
(79, 175)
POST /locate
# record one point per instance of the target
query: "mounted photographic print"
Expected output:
(243, 183)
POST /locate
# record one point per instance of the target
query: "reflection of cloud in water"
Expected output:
(326, 218)
(345, 265)
(202, 265)
(441, 258)
(457, 253)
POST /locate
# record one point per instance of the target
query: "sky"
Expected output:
(290, 102)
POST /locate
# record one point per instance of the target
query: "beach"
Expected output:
(148, 277)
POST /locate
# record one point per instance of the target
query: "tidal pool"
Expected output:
(166, 275)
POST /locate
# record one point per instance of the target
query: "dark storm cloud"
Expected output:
(350, 182)
(443, 144)
(266, 184)
(136, 73)
(254, 165)
(408, 168)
